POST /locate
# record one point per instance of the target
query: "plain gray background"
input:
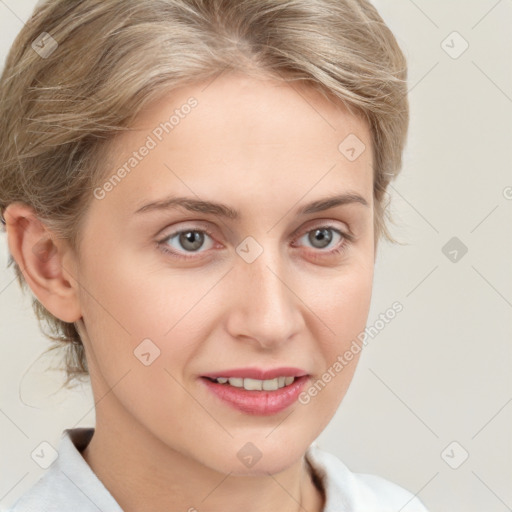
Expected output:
(435, 385)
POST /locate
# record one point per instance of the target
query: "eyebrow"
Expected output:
(222, 210)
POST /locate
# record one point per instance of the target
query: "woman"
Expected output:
(193, 190)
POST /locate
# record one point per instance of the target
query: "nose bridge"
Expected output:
(265, 308)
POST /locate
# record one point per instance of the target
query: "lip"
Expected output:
(258, 373)
(262, 403)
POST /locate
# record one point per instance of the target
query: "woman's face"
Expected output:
(170, 294)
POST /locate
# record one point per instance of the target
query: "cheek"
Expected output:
(136, 337)
(346, 300)
(344, 309)
(125, 295)
(129, 304)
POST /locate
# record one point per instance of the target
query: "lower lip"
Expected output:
(263, 403)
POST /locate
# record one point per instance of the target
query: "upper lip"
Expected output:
(258, 373)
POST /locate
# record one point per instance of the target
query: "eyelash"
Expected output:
(348, 239)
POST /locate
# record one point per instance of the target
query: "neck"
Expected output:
(143, 473)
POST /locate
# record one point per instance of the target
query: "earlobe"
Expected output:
(40, 255)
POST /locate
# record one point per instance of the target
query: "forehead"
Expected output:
(246, 136)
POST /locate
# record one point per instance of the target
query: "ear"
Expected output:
(47, 263)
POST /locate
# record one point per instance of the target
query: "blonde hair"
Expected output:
(110, 58)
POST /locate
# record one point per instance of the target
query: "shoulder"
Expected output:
(49, 494)
(386, 494)
(358, 492)
(69, 483)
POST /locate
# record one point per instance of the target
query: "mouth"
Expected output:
(256, 396)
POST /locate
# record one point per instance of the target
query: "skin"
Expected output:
(162, 440)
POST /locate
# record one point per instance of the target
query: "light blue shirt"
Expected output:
(69, 484)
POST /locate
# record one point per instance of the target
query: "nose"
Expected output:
(264, 307)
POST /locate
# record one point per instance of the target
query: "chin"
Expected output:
(263, 462)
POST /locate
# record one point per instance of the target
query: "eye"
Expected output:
(185, 241)
(323, 236)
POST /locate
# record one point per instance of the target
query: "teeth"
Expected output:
(256, 384)
(237, 382)
(269, 385)
(253, 384)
